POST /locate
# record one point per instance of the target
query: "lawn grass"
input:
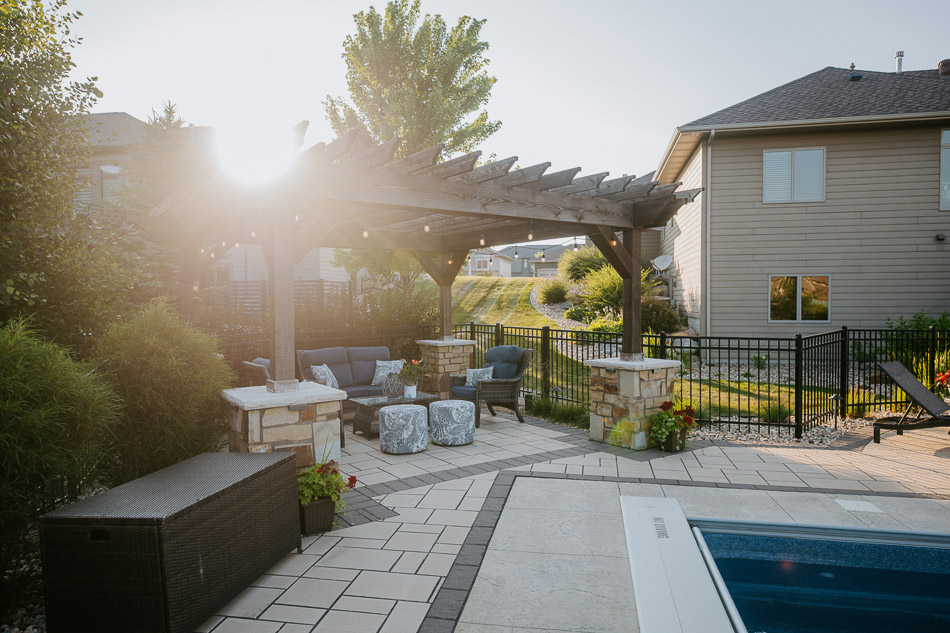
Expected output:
(490, 300)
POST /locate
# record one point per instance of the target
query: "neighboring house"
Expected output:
(489, 262)
(112, 135)
(826, 202)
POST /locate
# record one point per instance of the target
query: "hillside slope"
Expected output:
(490, 300)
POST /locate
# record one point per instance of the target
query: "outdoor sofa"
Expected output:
(353, 367)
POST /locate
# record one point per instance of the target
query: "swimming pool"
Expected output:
(798, 579)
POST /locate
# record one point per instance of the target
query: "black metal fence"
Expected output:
(788, 384)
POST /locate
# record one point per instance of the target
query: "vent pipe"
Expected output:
(899, 56)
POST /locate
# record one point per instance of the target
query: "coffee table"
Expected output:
(367, 410)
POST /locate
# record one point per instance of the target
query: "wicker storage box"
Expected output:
(165, 552)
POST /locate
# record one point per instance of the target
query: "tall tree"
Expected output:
(416, 80)
(52, 265)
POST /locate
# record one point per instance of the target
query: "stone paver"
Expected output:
(418, 555)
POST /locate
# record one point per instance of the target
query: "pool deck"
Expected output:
(521, 530)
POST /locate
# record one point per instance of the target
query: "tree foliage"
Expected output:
(54, 263)
(419, 81)
(396, 269)
(576, 265)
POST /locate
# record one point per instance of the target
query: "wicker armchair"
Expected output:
(255, 372)
(511, 363)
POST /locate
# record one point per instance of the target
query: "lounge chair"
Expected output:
(256, 372)
(510, 363)
(919, 395)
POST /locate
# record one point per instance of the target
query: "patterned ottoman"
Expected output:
(452, 422)
(403, 429)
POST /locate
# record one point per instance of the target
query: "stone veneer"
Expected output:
(629, 391)
(304, 422)
(444, 359)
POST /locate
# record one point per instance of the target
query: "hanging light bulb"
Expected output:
(253, 234)
(575, 244)
(530, 236)
(237, 245)
(481, 239)
(212, 255)
(542, 257)
(202, 251)
(491, 260)
(516, 252)
(450, 261)
(427, 228)
(224, 244)
(613, 242)
(296, 218)
(365, 233)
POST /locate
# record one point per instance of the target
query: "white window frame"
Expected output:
(798, 298)
(481, 263)
(944, 201)
(793, 150)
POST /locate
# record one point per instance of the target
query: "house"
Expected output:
(826, 202)
(489, 262)
(111, 134)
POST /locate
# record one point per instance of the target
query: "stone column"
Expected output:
(444, 359)
(627, 392)
(304, 422)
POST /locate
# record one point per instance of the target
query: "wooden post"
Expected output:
(443, 273)
(632, 335)
(445, 311)
(281, 291)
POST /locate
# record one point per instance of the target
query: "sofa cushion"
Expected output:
(363, 362)
(504, 359)
(323, 375)
(384, 368)
(472, 376)
(334, 357)
(363, 391)
(462, 393)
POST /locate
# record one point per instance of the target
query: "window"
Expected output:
(799, 298)
(481, 264)
(83, 188)
(793, 175)
(945, 170)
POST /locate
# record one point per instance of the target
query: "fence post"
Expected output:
(843, 388)
(546, 362)
(799, 414)
(499, 334)
(471, 330)
(662, 346)
(932, 356)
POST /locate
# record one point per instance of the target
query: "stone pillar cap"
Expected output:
(632, 365)
(448, 343)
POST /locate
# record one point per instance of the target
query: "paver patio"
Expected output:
(460, 538)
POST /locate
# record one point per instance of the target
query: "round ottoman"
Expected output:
(403, 429)
(452, 422)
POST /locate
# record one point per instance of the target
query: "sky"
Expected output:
(599, 84)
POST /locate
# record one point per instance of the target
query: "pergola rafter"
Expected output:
(342, 198)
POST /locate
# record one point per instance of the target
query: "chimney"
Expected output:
(899, 56)
(944, 68)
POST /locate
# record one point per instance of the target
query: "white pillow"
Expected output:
(323, 375)
(472, 376)
(384, 368)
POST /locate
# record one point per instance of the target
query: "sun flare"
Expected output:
(256, 154)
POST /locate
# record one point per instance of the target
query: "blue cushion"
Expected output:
(333, 357)
(504, 359)
(363, 362)
(262, 361)
(364, 391)
(462, 393)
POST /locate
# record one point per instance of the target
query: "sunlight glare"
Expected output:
(256, 153)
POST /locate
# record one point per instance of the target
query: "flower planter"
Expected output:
(409, 391)
(675, 441)
(317, 516)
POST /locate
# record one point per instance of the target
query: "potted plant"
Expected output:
(670, 427)
(412, 372)
(942, 384)
(320, 490)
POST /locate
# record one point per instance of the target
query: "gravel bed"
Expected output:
(555, 312)
(824, 434)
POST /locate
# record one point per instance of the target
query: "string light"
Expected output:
(481, 239)
(237, 245)
(427, 228)
(253, 234)
(613, 242)
(296, 218)
(202, 251)
(224, 244)
(531, 232)
(516, 252)
(212, 255)
(450, 261)
(575, 244)
(365, 233)
(542, 257)
(491, 260)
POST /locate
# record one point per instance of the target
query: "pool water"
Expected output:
(805, 585)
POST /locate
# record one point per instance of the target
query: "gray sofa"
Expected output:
(353, 367)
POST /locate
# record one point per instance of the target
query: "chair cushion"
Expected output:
(462, 393)
(472, 376)
(363, 391)
(504, 359)
(363, 362)
(333, 357)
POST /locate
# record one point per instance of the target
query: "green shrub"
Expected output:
(170, 379)
(658, 316)
(579, 313)
(603, 291)
(576, 266)
(575, 415)
(775, 412)
(606, 324)
(56, 415)
(552, 291)
(920, 321)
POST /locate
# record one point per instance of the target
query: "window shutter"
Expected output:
(809, 175)
(777, 177)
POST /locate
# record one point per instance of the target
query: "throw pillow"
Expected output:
(384, 368)
(472, 376)
(323, 375)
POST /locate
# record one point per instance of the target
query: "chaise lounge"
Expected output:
(919, 395)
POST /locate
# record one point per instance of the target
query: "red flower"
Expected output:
(351, 482)
(689, 411)
(415, 362)
(943, 379)
(688, 419)
(666, 406)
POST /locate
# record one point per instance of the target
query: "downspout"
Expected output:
(707, 204)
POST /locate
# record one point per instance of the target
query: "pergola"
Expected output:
(337, 197)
